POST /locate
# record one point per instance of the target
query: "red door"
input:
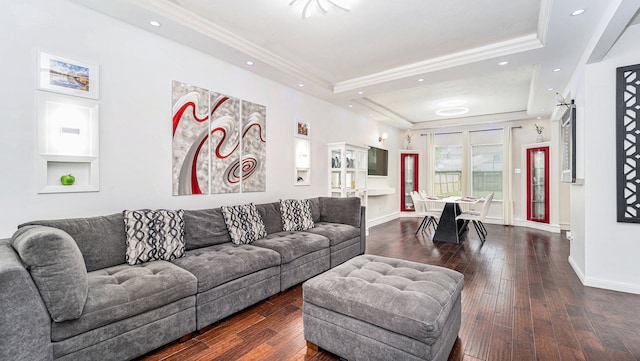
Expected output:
(538, 184)
(408, 180)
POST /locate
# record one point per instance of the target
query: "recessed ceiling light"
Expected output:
(503, 63)
(350, 106)
(301, 85)
(557, 70)
(449, 112)
(249, 62)
(421, 79)
(154, 23)
(577, 12)
(360, 92)
(550, 89)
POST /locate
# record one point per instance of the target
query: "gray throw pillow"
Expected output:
(154, 235)
(244, 223)
(57, 268)
(296, 214)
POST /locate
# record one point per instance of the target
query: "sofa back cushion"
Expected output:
(204, 227)
(340, 210)
(314, 203)
(271, 217)
(101, 240)
(57, 268)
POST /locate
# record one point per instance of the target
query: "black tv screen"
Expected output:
(378, 161)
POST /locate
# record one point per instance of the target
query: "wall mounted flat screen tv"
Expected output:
(378, 161)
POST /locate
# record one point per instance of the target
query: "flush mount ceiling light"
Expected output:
(503, 63)
(321, 6)
(450, 112)
(577, 12)
(154, 23)
(249, 62)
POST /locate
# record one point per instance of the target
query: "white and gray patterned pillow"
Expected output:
(154, 235)
(296, 214)
(244, 223)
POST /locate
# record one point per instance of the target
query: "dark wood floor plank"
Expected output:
(521, 301)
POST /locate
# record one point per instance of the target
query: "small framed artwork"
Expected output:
(66, 76)
(303, 129)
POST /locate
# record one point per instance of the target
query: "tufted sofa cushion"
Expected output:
(408, 298)
(123, 291)
(226, 262)
(291, 245)
(336, 232)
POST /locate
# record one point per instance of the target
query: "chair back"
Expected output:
(418, 204)
(423, 194)
(485, 207)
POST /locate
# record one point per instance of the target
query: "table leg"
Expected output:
(449, 229)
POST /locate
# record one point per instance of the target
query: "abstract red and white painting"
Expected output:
(190, 139)
(219, 143)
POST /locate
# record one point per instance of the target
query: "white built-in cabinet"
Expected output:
(348, 170)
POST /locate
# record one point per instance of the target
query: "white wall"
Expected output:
(611, 249)
(136, 70)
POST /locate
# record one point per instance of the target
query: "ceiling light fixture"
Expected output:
(503, 63)
(421, 79)
(360, 92)
(249, 62)
(550, 89)
(557, 70)
(577, 12)
(154, 23)
(320, 6)
(301, 85)
(450, 112)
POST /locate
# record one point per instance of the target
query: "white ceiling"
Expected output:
(370, 59)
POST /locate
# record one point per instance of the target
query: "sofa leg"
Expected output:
(186, 338)
(312, 346)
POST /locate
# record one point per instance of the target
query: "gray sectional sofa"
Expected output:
(68, 294)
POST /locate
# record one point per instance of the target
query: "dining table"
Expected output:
(449, 229)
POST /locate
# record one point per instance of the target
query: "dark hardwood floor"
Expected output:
(521, 301)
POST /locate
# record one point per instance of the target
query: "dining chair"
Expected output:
(477, 218)
(430, 216)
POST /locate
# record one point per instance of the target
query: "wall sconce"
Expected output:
(383, 137)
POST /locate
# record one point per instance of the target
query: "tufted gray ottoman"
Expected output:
(378, 308)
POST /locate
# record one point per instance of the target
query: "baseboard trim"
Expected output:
(576, 269)
(604, 284)
(387, 218)
(613, 286)
(553, 228)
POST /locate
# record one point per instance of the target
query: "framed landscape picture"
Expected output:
(66, 76)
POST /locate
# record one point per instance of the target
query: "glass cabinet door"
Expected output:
(408, 180)
(538, 184)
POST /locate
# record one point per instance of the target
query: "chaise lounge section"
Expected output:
(71, 295)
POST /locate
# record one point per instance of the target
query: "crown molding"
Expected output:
(395, 119)
(544, 18)
(521, 44)
(193, 22)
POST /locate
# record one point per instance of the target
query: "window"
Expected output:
(486, 170)
(448, 172)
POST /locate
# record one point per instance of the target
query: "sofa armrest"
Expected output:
(363, 229)
(25, 324)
